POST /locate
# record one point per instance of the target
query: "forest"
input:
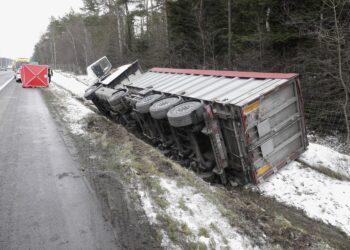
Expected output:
(307, 37)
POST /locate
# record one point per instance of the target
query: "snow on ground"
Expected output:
(335, 142)
(319, 156)
(70, 83)
(188, 206)
(76, 111)
(151, 214)
(321, 197)
(83, 79)
(147, 205)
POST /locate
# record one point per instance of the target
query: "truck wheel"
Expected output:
(100, 107)
(116, 100)
(160, 108)
(185, 114)
(144, 104)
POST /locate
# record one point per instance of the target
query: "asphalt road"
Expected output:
(45, 202)
(4, 77)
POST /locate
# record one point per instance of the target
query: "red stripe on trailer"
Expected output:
(34, 76)
(226, 73)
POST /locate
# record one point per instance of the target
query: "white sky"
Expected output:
(22, 22)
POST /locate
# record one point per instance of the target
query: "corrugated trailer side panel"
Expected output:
(260, 114)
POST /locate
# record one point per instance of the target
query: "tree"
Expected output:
(335, 37)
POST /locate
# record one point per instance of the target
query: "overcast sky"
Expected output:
(22, 22)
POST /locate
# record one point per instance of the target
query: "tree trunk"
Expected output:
(129, 41)
(166, 26)
(267, 23)
(74, 48)
(201, 30)
(229, 33)
(340, 71)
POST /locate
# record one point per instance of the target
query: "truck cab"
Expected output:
(99, 70)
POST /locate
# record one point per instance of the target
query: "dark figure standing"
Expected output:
(50, 74)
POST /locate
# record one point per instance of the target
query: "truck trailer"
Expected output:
(229, 126)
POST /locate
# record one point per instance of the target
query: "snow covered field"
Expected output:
(320, 196)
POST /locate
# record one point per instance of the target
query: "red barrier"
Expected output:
(33, 76)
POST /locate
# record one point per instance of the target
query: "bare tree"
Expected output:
(338, 39)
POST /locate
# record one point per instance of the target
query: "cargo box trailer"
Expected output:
(239, 126)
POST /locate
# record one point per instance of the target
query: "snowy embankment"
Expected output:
(74, 84)
(300, 185)
(194, 211)
(76, 111)
(320, 196)
(322, 157)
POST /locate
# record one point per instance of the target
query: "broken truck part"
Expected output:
(227, 125)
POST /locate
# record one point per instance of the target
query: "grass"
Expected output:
(186, 230)
(172, 227)
(203, 232)
(197, 246)
(182, 206)
(161, 202)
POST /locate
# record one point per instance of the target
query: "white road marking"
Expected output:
(5, 84)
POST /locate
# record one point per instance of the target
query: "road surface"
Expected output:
(5, 76)
(45, 203)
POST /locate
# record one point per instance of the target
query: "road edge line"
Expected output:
(6, 83)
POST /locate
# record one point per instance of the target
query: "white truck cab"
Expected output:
(98, 70)
(101, 74)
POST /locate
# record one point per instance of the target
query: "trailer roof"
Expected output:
(231, 87)
(226, 73)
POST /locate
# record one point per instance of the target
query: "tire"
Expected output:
(160, 108)
(117, 97)
(115, 101)
(144, 104)
(100, 107)
(186, 114)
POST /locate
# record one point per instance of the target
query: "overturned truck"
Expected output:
(229, 126)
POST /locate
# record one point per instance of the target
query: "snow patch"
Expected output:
(167, 243)
(70, 83)
(201, 214)
(146, 203)
(76, 111)
(319, 156)
(320, 196)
